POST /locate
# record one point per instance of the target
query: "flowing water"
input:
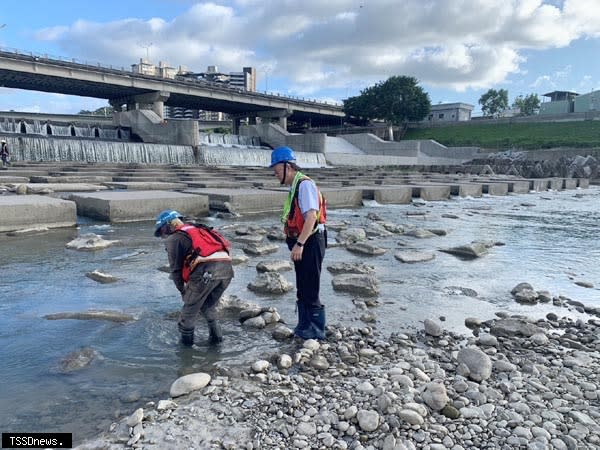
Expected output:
(68, 143)
(551, 240)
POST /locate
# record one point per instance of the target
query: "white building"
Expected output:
(449, 112)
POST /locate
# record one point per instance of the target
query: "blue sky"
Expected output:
(457, 49)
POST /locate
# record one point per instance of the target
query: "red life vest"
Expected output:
(295, 220)
(205, 242)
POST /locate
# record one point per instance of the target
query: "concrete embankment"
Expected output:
(53, 194)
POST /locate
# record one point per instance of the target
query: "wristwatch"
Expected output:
(299, 244)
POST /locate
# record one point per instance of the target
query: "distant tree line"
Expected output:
(106, 111)
(495, 102)
(400, 100)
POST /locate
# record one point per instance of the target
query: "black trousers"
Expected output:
(308, 269)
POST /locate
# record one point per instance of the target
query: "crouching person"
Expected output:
(200, 263)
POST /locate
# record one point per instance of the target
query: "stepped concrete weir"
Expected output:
(137, 192)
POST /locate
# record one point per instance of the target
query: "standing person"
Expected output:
(200, 263)
(303, 217)
(4, 153)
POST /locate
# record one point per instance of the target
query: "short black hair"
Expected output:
(293, 165)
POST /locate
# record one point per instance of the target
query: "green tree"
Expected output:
(528, 105)
(103, 111)
(494, 102)
(396, 101)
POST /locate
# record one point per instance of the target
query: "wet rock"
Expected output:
(274, 266)
(377, 230)
(393, 228)
(28, 231)
(411, 257)
(419, 233)
(459, 290)
(249, 239)
(359, 284)
(189, 383)
(433, 328)
(510, 327)
(345, 267)
(111, 316)
(364, 248)
(260, 366)
(101, 277)
(468, 251)
(90, 242)
(260, 249)
(270, 283)
(351, 235)
(238, 258)
(282, 332)
(78, 359)
(255, 322)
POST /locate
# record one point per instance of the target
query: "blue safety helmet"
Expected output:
(282, 154)
(164, 218)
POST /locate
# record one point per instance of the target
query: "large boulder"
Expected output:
(189, 383)
(270, 283)
(359, 284)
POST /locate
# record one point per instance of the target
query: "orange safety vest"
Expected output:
(295, 221)
(205, 242)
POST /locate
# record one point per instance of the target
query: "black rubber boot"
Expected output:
(187, 336)
(317, 320)
(304, 328)
(215, 334)
(303, 320)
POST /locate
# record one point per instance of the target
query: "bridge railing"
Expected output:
(61, 60)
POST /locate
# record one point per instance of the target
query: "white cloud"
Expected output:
(555, 80)
(454, 44)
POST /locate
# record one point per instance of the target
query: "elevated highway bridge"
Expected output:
(137, 91)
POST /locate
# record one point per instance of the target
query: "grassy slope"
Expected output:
(515, 135)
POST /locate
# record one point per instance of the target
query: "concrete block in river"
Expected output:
(538, 184)
(343, 197)
(398, 195)
(495, 188)
(518, 187)
(583, 183)
(467, 189)
(134, 206)
(243, 201)
(24, 211)
(570, 183)
(432, 192)
(556, 184)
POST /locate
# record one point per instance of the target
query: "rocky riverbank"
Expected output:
(514, 383)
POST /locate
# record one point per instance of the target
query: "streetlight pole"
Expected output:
(147, 47)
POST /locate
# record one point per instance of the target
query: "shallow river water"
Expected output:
(551, 240)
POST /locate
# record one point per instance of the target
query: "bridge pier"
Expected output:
(281, 114)
(155, 100)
